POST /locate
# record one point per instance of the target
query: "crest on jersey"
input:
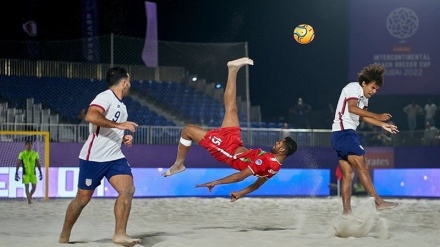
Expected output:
(88, 181)
(258, 162)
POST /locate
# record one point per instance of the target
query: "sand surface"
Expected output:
(216, 222)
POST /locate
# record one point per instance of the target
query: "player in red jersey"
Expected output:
(226, 146)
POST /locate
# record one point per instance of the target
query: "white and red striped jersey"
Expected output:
(343, 118)
(104, 144)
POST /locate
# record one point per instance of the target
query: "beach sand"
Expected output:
(216, 222)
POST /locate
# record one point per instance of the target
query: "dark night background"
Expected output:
(283, 70)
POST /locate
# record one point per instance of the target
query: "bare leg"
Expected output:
(346, 186)
(123, 184)
(28, 194)
(34, 187)
(73, 211)
(230, 96)
(190, 133)
(365, 179)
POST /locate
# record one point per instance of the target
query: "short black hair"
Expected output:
(290, 145)
(373, 72)
(28, 142)
(115, 74)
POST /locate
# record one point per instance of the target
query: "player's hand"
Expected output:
(209, 185)
(128, 140)
(131, 126)
(384, 117)
(234, 196)
(390, 128)
(40, 177)
(17, 177)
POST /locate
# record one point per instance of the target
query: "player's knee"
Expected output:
(231, 114)
(128, 192)
(189, 127)
(232, 109)
(348, 174)
(131, 191)
(83, 200)
(188, 131)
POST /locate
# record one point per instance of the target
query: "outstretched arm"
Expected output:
(353, 108)
(236, 195)
(233, 178)
(386, 126)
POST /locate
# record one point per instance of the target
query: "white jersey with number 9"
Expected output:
(104, 144)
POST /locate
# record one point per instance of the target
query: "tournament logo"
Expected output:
(402, 23)
(88, 181)
(258, 162)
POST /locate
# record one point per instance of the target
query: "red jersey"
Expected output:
(222, 144)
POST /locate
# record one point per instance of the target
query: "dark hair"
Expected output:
(115, 74)
(373, 72)
(28, 142)
(290, 145)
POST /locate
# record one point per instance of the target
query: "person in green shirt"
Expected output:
(28, 159)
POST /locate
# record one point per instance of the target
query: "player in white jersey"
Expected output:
(103, 144)
(352, 107)
(101, 156)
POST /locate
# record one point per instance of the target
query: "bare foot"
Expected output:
(64, 239)
(238, 63)
(385, 205)
(346, 212)
(125, 240)
(173, 170)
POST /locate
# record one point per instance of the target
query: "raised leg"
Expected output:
(192, 133)
(364, 177)
(230, 95)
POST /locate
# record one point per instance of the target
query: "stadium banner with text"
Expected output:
(379, 157)
(403, 36)
(150, 183)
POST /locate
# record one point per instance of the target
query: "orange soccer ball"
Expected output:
(304, 34)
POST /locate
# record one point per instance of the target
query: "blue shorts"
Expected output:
(91, 173)
(346, 142)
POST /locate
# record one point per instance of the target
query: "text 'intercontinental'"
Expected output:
(403, 64)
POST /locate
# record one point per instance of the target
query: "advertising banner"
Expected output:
(403, 36)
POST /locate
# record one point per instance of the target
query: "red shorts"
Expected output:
(222, 143)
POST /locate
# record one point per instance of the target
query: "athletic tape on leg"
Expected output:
(185, 142)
